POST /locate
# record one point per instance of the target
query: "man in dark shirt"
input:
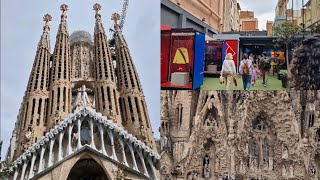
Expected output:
(265, 68)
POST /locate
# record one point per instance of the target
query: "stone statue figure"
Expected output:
(291, 171)
(206, 171)
(312, 171)
(246, 151)
(29, 135)
(270, 163)
(210, 122)
(242, 167)
(193, 175)
(285, 153)
(179, 170)
(284, 171)
(164, 142)
(190, 176)
(82, 97)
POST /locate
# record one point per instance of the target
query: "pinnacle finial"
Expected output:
(97, 8)
(47, 18)
(115, 17)
(64, 9)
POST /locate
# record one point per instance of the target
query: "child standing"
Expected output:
(255, 73)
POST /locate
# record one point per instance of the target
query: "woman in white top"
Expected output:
(228, 70)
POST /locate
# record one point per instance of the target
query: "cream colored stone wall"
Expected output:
(269, 27)
(281, 8)
(202, 9)
(256, 134)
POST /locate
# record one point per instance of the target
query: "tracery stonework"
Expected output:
(240, 135)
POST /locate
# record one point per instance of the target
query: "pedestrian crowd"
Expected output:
(251, 68)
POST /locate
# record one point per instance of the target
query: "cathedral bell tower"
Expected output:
(34, 107)
(60, 83)
(132, 102)
(106, 94)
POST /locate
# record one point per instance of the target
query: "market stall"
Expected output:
(182, 59)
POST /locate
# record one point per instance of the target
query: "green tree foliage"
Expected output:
(5, 170)
(316, 29)
(285, 33)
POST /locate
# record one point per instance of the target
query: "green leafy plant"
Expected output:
(316, 29)
(285, 33)
(5, 169)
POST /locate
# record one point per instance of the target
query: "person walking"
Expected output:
(265, 68)
(228, 70)
(246, 69)
(251, 57)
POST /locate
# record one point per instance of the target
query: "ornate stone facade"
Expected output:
(71, 115)
(240, 135)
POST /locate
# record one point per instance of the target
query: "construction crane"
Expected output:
(122, 16)
(123, 13)
(121, 24)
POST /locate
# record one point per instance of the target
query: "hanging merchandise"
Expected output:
(213, 57)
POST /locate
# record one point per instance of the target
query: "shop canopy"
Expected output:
(165, 27)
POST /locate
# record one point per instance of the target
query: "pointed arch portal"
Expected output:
(87, 169)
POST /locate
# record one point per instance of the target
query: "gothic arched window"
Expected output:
(311, 119)
(260, 145)
(179, 114)
(317, 138)
(259, 124)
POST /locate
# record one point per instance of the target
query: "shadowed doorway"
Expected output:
(87, 169)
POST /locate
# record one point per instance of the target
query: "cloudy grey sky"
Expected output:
(264, 10)
(21, 28)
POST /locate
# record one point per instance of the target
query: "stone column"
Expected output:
(41, 159)
(133, 157)
(69, 148)
(31, 167)
(60, 146)
(79, 136)
(143, 164)
(50, 152)
(114, 156)
(123, 153)
(91, 133)
(103, 149)
(23, 171)
(152, 168)
(15, 174)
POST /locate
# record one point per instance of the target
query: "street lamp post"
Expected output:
(303, 19)
(0, 149)
(292, 12)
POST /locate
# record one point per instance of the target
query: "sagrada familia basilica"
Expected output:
(83, 115)
(242, 135)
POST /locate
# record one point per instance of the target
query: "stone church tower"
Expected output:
(240, 135)
(106, 89)
(60, 78)
(71, 124)
(132, 102)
